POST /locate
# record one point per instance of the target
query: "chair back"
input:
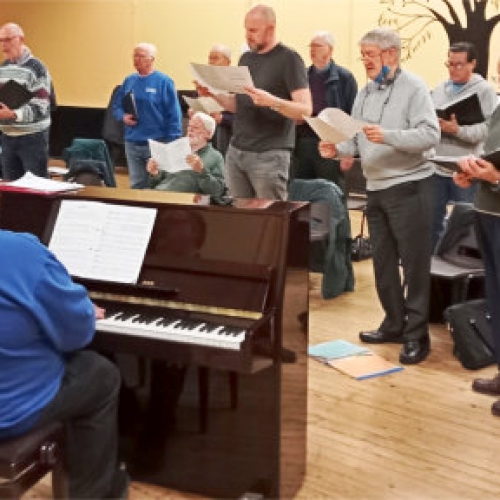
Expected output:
(91, 149)
(355, 186)
(459, 244)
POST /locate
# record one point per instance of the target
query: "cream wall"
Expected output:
(87, 44)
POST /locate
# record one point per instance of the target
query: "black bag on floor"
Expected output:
(470, 328)
(361, 248)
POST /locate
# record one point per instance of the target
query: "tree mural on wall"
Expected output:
(414, 21)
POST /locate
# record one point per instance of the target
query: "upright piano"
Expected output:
(221, 301)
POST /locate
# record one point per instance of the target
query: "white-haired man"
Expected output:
(206, 174)
(401, 127)
(258, 158)
(25, 130)
(158, 117)
(219, 55)
(332, 86)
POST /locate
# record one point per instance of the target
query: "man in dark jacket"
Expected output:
(332, 86)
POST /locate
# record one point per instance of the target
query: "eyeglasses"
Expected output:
(369, 55)
(8, 39)
(459, 65)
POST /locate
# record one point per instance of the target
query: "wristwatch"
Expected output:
(495, 186)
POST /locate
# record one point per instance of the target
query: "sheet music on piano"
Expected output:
(102, 241)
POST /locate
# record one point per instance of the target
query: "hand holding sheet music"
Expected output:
(333, 125)
(451, 163)
(220, 79)
(204, 104)
(171, 157)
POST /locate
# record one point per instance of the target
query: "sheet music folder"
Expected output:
(129, 105)
(467, 111)
(14, 95)
(451, 162)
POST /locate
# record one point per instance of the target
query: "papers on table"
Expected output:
(57, 170)
(204, 104)
(171, 156)
(221, 79)
(333, 125)
(102, 241)
(14, 95)
(35, 184)
(467, 111)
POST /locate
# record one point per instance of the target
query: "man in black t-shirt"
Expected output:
(258, 158)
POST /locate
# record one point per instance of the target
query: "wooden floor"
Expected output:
(417, 434)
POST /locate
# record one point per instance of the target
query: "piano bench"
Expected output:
(204, 394)
(24, 460)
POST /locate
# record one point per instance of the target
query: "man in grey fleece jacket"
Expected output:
(459, 140)
(401, 127)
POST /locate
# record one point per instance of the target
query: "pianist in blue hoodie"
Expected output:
(45, 375)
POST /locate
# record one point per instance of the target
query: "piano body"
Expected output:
(222, 296)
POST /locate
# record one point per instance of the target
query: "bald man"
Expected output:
(258, 158)
(25, 130)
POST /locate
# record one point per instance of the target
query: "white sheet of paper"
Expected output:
(31, 181)
(102, 241)
(222, 78)
(333, 125)
(204, 104)
(171, 156)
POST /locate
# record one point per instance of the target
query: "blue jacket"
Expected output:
(43, 316)
(341, 87)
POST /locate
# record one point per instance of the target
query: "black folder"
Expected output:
(14, 95)
(129, 105)
(451, 163)
(467, 111)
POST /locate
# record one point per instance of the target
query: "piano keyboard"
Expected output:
(168, 327)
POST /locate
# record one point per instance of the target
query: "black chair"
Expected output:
(355, 187)
(457, 257)
(26, 459)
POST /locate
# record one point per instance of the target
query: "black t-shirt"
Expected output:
(280, 72)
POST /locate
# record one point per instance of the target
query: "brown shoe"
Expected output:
(488, 386)
(495, 408)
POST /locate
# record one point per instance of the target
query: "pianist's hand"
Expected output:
(152, 167)
(99, 312)
(194, 161)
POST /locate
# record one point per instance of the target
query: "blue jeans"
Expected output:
(87, 402)
(445, 190)
(137, 159)
(257, 175)
(25, 153)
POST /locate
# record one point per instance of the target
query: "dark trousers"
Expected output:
(87, 402)
(488, 227)
(399, 220)
(25, 153)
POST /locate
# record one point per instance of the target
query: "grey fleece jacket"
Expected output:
(406, 114)
(470, 138)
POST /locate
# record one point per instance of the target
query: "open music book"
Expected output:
(14, 95)
(205, 104)
(221, 79)
(333, 125)
(102, 241)
(172, 155)
(450, 163)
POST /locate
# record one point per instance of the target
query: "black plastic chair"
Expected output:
(457, 257)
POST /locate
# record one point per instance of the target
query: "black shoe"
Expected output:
(380, 337)
(414, 351)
